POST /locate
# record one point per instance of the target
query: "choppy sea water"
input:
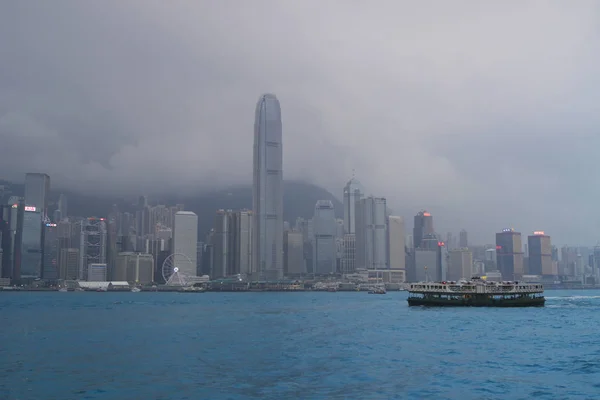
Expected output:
(294, 345)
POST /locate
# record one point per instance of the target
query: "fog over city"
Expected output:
(484, 113)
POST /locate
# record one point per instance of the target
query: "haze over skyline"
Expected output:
(484, 113)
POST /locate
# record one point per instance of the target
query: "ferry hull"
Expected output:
(477, 302)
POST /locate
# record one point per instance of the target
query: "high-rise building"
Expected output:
(463, 241)
(37, 189)
(349, 254)
(134, 268)
(185, 242)
(8, 228)
(92, 241)
(223, 239)
(423, 226)
(396, 248)
(461, 264)
(62, 206)
(232, 243)
(293, 250)
(540, 255)
(31, 243)
(371, 234)
(18, 218)
(509, 254)
(353, 191)
(242, 226)
(324, 246)
(68, 264)
(267, 190)
(425, 266)
(50, 252)
(430, 264)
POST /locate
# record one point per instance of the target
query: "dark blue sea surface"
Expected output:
(294, 345)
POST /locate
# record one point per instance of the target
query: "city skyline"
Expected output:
(454, 128)
(92, 248)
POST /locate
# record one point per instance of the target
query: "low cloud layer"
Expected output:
(485, 113)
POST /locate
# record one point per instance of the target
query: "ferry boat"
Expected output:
(476, 292)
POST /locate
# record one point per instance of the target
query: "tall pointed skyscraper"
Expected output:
(353, 191)
(267, 191)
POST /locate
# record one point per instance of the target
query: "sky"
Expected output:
(485, 113)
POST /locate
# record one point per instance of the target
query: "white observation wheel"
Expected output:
(173, 269)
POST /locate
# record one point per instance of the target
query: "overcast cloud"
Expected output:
(486, 113)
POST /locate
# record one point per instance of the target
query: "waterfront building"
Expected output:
(134, 268)
(396, 249)
(267, 190)
(324, 242)
(185, 242)
(232, 243)
(91, 238)
(97, 272)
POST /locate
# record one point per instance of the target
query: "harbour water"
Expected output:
(294, 345)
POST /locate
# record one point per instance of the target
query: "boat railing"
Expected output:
(479, 288)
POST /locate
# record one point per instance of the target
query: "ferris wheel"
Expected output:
(172, 269)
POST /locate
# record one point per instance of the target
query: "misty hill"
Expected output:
(298, 201)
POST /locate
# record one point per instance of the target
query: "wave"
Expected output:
(571, 297)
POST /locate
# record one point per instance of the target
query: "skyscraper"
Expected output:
(371, 234)
(293, 246)
(267, 190)
(461, 264)
(37, 188)
(92, 237)
(540, 255)
(185, 242)
(423, 227)
(353, 191)
(509, 254)
(396, 248)
(463, 241)
(62, 206)
(50, 252)
(324, 247)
